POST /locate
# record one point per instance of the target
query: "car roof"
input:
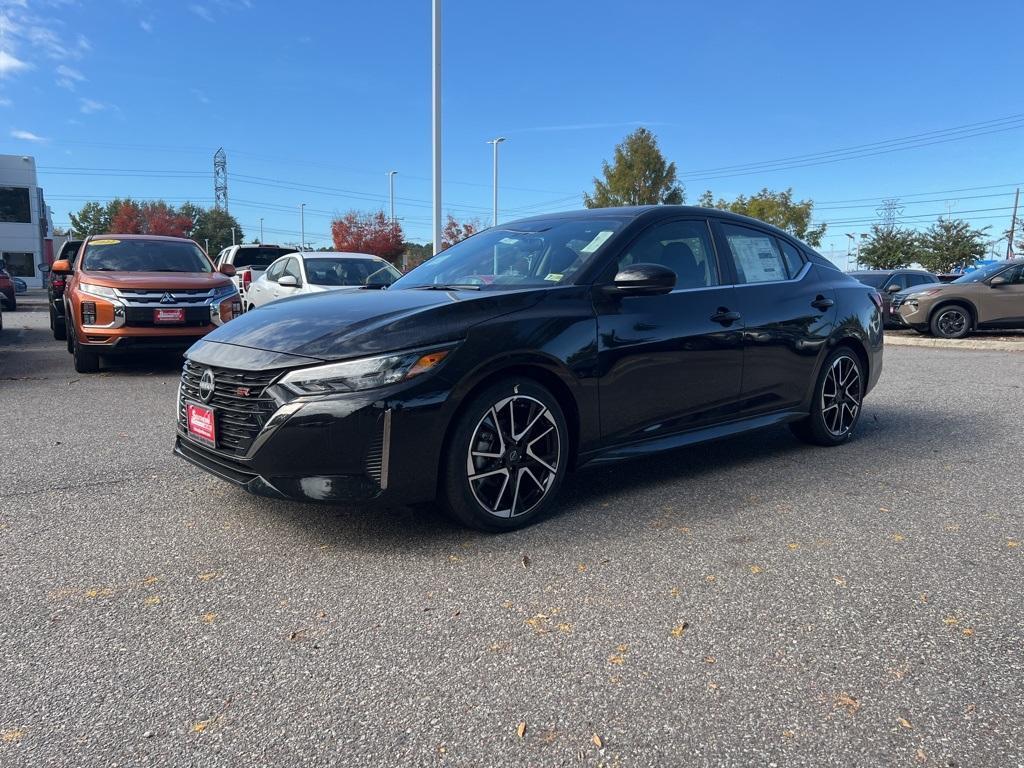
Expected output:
(648, 212)
(337, 255)
(141, 237)
(911, 270)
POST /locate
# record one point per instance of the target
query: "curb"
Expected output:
(953, 344)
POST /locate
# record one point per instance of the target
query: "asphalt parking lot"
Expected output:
(755, 602)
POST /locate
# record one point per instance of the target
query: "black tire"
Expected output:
(60, 330)
(13, 305)
(86, 360)
(527, 457)
(951, 321)
(836, 404)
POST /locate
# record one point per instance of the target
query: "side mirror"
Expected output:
(893, 289)
(227, 269)
(998, 280)
(61, 267)
(645, 280)
(288, 281)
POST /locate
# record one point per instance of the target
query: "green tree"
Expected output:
(890, 248)
(639, 175)
(950, 243)
(92, 219)
(215, 225)
(777, 208)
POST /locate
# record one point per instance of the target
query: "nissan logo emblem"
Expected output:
(207, 384)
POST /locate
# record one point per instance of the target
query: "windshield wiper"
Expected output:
(446, 287)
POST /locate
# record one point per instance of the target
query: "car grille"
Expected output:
(156, 297)
(239, 416)
(143, 317)
(897, 301)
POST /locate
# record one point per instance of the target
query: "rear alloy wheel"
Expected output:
(951, 322)
(507, 458)
(838, 398)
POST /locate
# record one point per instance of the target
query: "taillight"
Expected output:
(58, 283)
(246, 278)
(89, 313)
(876, 297)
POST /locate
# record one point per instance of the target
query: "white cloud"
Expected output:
(146, 26)
(89, 106)
(67, 77)
(202, 97)
(26, 136)
(9, 64)
(201, 11)
(5, 102)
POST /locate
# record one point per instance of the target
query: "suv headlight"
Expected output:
(364, 373)
(97, 290)
(223, 291)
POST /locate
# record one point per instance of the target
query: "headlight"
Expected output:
(365, 373)
(97, 290)
(223, 291)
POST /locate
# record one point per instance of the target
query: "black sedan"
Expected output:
(485, 374)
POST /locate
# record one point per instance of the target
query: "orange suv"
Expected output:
(127, 293)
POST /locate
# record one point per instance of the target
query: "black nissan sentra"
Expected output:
(533, 348)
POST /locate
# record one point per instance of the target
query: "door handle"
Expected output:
(822, 303)
(725, 317)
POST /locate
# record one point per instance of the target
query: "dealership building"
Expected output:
(26, 227)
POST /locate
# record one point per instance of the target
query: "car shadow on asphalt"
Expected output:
(595, 502)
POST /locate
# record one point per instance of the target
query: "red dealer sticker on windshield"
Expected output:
(201, 424)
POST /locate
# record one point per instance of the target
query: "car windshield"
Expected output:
(335, 271)
(541, 254)
(113, 255)
(984, 273)
(873, 279)
(257, 258)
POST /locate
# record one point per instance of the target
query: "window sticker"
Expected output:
(104, 242)
(597, 242)
(758, 259)
(554, 276)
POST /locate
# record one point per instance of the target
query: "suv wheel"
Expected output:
(952, 321)
(507, 458)
(838, 397)
(86, 360)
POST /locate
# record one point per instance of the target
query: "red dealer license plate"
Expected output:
(167, 316)
(201, 424)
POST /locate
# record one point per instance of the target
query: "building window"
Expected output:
(14, 205)
(19, 264)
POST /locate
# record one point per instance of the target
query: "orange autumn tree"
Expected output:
(373, 233)
(455, 232)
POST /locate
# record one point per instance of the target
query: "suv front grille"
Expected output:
(897, 301)
(145, 297)
(240, 406)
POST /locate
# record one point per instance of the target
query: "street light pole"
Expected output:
(849, 245)
(436, 87)
(495, 142)
(391, 193)
(261, 230)
(302, 226)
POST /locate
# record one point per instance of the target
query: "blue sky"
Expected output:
(316, 101)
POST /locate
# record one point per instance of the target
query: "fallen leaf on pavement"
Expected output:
(679, 629)
(756, 569)
(526, 561)
(897, 537)
(153, 600)
(12, 734)
(969, 631)
(921, 756)
(596, 740)
(847, 702)
(950, 621)
(616, 659)
(710, 659)
(209, 618)
(521, 730)
(1012, 543)
(207, 576)
(904, 723)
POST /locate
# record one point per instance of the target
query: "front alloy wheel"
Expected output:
(512, 442)
(951, 322)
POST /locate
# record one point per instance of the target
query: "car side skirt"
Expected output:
(692, 437)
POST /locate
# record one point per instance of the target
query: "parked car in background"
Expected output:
(249, 261)
(317, 272)
(485, 374)
(55, 282)
(891, 281)
(7, 297)
(20, 286)
(126, 293)
(987, 298)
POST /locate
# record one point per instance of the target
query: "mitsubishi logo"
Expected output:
(167, 298)
(207, 385)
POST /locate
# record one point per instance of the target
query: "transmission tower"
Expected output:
(220, 180)
(889, 212)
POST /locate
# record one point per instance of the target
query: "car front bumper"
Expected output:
(375, 446)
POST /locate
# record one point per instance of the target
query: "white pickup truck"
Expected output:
(249, 261)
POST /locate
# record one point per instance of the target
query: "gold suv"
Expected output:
(988, 298)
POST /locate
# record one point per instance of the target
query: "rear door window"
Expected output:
(756, 255)
(794, 261)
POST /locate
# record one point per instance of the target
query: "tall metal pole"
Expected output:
(391, 193)
(436, 56)
(207, 245)
(302, 226)
(261, 230)
(232, 235)
(1013, 226)
(494, 212)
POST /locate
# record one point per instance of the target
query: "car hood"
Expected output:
(334, 325)
(157, 280)
(925, 287)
